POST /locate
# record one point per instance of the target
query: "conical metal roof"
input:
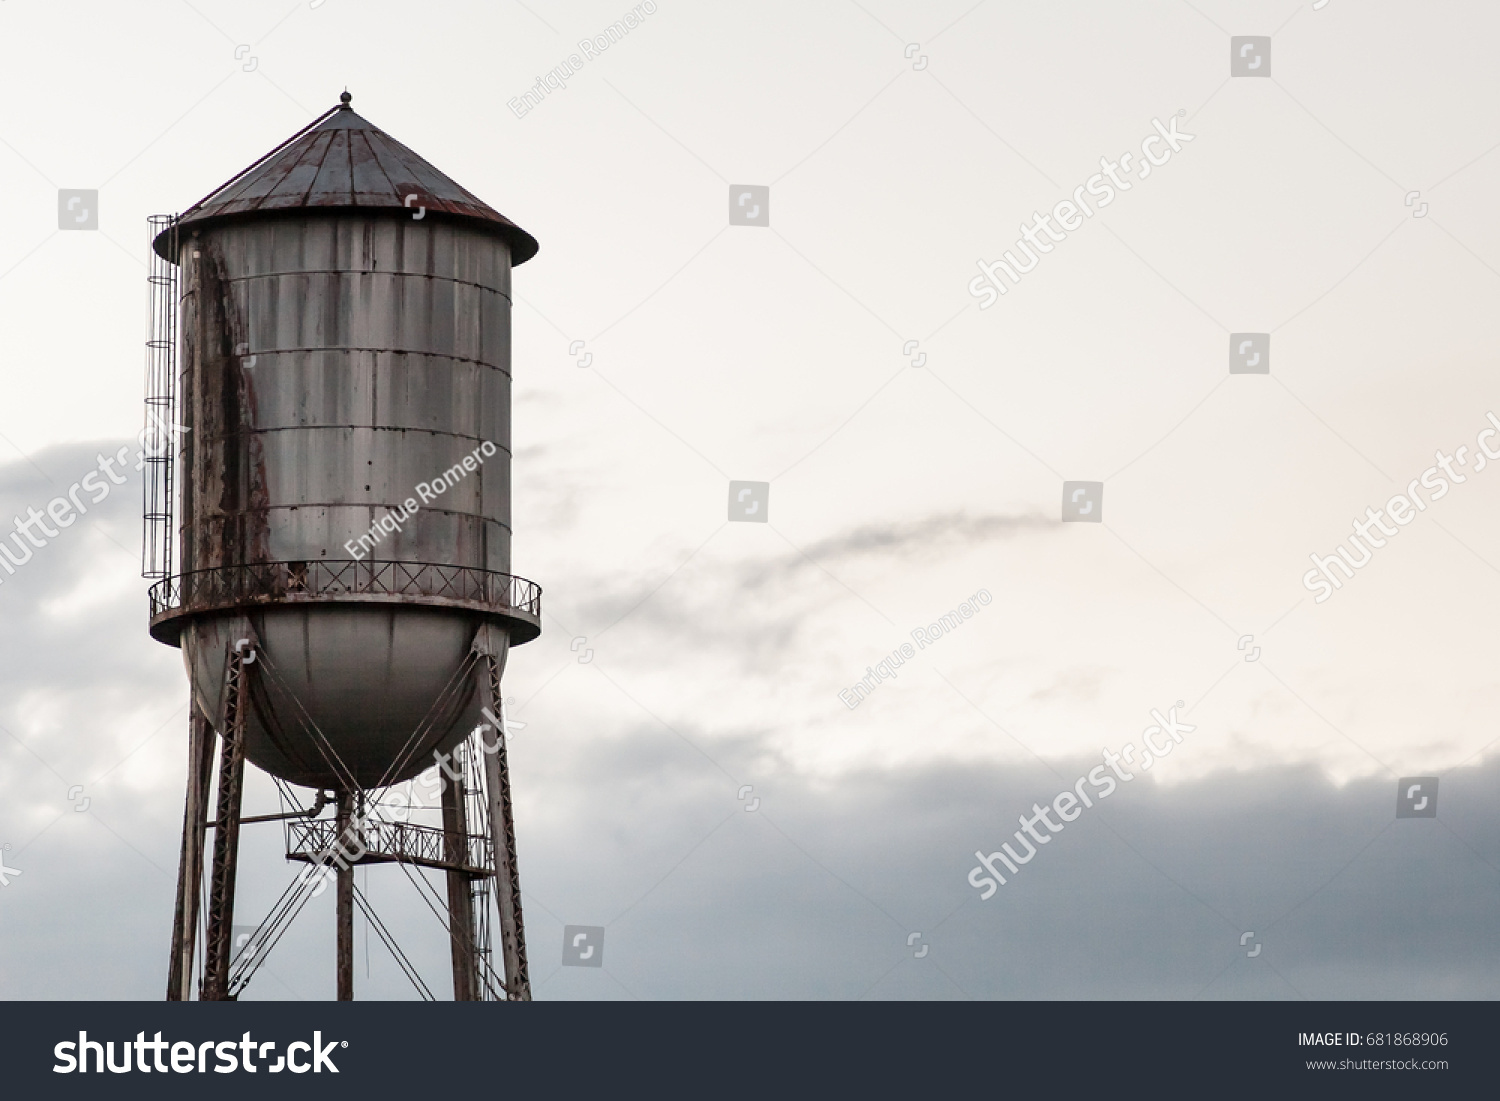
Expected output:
(345, 163)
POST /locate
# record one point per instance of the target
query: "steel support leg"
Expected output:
(503, 829)
(219, 950)
(466, 986)
(190, 864)
(345, 895)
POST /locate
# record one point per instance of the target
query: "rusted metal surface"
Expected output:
(334, 369)
(514, 600)
(345, 163)
(503, 824)
(462, 949)
(201, 741)
(333, 365)
(382, 842)
(345, 341)
(219, 942)
(344, 892)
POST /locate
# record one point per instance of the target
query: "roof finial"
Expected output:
(344, 100)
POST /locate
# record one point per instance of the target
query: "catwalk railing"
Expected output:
(376, 841)
(346, 581)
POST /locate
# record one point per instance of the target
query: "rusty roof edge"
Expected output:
(523, 246)
(230, 201)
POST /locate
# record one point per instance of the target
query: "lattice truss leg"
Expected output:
(475, 847)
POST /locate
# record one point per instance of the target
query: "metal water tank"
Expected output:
(345, 470)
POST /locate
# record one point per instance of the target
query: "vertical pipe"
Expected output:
(460, 902)
(190, 863)
(345, 894)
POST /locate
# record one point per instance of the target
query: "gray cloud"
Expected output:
(919, 538)
(814, 894)
(760, 608)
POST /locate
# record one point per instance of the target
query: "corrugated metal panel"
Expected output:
(347, 163)
(339, 363)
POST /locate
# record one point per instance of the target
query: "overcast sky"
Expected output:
(1340, 210)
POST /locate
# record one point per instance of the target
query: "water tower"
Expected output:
(328, 510)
